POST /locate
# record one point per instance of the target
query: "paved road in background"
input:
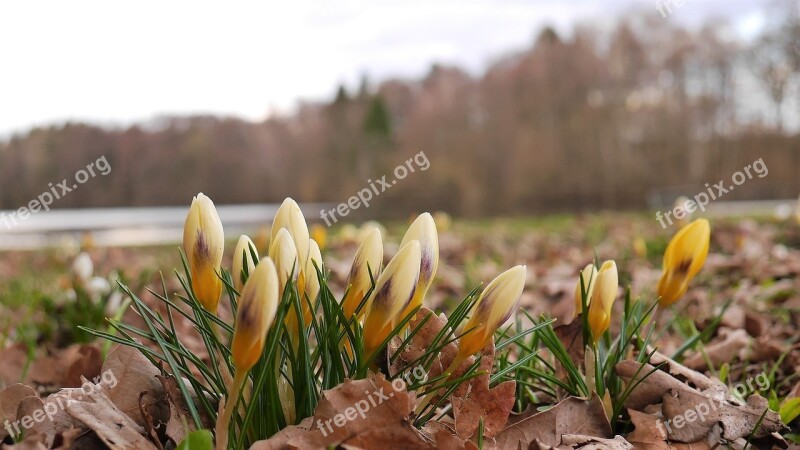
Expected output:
(130, 226)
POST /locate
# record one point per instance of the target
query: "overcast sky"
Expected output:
(112, 63)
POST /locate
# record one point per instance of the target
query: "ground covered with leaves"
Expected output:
(722, 371)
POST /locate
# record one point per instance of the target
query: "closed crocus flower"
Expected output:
(588, 275)
(312, 280)
(369, 257)
(683, 259)
(602, 300)
(423, 229)
(284, 254)
(203, 242)
(393, 291)
(290, 217)
(310, 288)
(257, 308)
(494, 306)
(243, 257)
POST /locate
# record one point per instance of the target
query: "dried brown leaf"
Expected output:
(14, 359)
(116, 429)
(480, 402)
(730, 347)
(338, 420)
(693, 414)
(10, 399)
(570, 416)
(135, 374)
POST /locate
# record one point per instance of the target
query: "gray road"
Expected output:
(128, 226)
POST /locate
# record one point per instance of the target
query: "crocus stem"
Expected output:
(230, 404)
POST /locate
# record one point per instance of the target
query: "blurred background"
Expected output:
(520, 106)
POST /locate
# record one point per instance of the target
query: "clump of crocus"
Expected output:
(423, 229)
(602, 299)
(243, 258)
(494, 306)
(392, 293)
(585, 282)
(368, 259)
(258, 305)
(683, 259)
(204, 242)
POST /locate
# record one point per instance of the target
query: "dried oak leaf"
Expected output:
(648, 435)
(682, 404)
(179, 414)
(574, 441)
(135, 374)
(570, 416)
(115, 428)
(55, 420)
(26, 444)
(480, 402)
(64, 368)
(692, 377)
(14, 359)
(10, 399)
(80, 361)
(422, 341)
(571, 337)
(385, 422)
(731, 346)
(472, 400)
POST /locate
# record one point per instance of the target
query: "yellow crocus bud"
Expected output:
(443, 220)
(256, 312)
(588, 275)
(369, 257)
(258, 306)
(311, 287)
(290, 217)
(284, 254)
(423, 230)
(392, 293)
(683, 259)
(602, 300)
(494, 306)
(319, 233)
(243, 256)
(312, 281)
(640, 247)
(204, 242)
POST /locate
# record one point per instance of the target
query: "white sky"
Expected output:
(112, 63)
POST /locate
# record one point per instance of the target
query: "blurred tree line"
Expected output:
(603, 118)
